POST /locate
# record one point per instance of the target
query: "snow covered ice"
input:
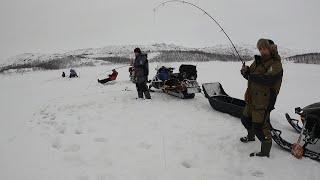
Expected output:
(55, 128)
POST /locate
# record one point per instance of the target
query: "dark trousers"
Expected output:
(73, 76)
(103, 81)
(261, 130)
(142, 88)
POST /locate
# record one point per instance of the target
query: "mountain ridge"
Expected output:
(124, 53)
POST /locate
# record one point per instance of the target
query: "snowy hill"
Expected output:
(123, 54)
(77, 129)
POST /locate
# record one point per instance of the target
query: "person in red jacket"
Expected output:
(111, 77)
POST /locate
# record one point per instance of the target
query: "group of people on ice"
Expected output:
(73, 74)
(264, 77)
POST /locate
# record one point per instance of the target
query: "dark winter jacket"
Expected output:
(73, 73)
(264, 82)
(141, 68)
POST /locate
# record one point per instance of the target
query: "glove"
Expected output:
(244, 70)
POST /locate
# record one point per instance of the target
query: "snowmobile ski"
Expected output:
(294, 123)
(276, 136)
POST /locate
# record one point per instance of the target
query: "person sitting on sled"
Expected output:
(264, 81)
(111, 77)
(73, 73)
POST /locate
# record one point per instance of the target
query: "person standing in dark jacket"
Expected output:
(264, 81)
(141, 68)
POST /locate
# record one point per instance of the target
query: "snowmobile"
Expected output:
(222, 102)
(310, 114)
(183, 84)
(310, 117)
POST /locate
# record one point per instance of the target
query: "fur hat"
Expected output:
(264, 43)
(269, 44)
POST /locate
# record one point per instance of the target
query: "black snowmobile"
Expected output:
(183, 84)
(221, 101)
(310, 114)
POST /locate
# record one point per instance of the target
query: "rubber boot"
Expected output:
(140, 94)
(147, 95)
(265, 149)
(249, 138)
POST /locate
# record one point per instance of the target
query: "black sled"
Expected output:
(222, 102)
(183, 84)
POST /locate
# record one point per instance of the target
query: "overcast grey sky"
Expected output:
(48, 26)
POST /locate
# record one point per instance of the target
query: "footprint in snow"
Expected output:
(145, 145)
(78, 131)
(257, 173)
(186, 164)
(72, 148)
(10, 140)
(56, 144)
(83, 178)
(100, 140)
(61, 129)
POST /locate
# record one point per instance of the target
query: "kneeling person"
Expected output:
(73, 73)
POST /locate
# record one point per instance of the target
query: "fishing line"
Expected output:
(205, 13)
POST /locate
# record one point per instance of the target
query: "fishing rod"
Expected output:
(206, 13)
(118, 68)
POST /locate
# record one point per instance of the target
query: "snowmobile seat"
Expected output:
(187, 72)
(163, 73)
